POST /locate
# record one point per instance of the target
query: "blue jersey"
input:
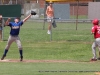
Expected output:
(15, 28)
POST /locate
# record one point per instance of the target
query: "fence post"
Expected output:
(77, 14)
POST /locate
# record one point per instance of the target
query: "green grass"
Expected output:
(48, 68)
(67, 44)
(79, 17)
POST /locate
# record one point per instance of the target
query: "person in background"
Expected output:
(50, 16)
(1, 26)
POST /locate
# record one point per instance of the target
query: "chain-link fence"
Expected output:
(72, 16)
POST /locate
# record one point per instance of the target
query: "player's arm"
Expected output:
(7, 22)
(32, 13)
(93, 30)
(47, 11)
(53, 13)
(27, 18)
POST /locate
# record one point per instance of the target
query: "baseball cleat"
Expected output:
(21, 58)
(48, 32)
(3, 57)
(99, 58)
(93, 59)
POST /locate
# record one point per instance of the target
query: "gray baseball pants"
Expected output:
(94, 45)
(12, 39)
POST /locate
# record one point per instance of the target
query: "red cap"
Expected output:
(95, 21)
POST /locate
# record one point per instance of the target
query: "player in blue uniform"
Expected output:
(13, 37)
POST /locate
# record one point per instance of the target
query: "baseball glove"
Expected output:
(33, 13)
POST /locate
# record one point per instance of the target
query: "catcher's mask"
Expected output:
(95, 22)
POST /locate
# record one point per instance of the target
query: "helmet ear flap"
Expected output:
(95, 21)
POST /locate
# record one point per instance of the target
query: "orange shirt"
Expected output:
(50, 11)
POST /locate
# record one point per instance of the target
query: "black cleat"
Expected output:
(3, 57)
(21, 58)
(93, 59)
(99, 58)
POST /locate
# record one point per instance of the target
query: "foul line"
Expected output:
(68, 71)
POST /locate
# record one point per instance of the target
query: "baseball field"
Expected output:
(68, 53)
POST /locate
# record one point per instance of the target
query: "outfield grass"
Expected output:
(79, 17)
(48, 68)
(67, 44)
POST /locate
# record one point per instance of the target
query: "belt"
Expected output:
(14, 35)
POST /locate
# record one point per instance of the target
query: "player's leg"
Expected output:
(99, 53)
(50, 24)
(49, 28)
(10, 40)
(94, 51)
(19, 47)
(98, 43)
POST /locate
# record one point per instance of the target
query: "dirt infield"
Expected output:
(41, 61)
(36, 61)
(97, 73)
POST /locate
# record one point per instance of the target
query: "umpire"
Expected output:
(14, 32)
